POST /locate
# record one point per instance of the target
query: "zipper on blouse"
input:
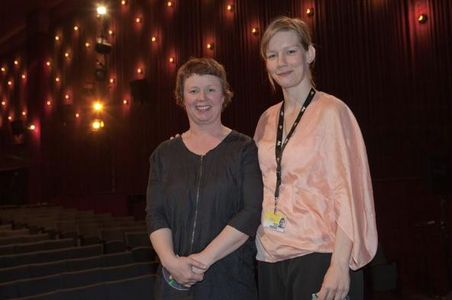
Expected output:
(195, 218)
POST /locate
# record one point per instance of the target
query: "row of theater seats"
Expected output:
(40, 262)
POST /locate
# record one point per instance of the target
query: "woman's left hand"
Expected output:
(336, 283)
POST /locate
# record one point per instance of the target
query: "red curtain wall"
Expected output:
(393, 72)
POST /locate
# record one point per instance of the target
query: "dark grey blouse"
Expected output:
(197, 196)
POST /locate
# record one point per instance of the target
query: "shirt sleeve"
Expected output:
(155, 205)
(248, 219)
(349, 177)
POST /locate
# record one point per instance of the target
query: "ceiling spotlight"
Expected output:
(101, 10)
(98, 106)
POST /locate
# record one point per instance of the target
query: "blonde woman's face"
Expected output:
(286, 59)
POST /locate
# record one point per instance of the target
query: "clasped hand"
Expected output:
(186, 270)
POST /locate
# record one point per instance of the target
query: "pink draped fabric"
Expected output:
(325, 183)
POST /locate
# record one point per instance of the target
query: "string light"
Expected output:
(77, 115)
(32, 127)
(169, 3)
(10, 118)
(112, 80)
(16, 62)
(48, 63)
(310, 12)
(139, 70)
(3, 103)
(138, 20)
(67, 97)
(66, 55)
(171, 60)
(123, 2)
(110, 32)
(210, 46)
(254, 30)
(229, 7)
(24, 76)
(24, 113)
(49, 102)
(422, 18)
(125, 102)
(87, 44)
(57, 38)
(57, 79)
(3, 69)
(10, 83)
(76, 28)
(153, 39)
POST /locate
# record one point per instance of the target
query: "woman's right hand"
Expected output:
(181, 269)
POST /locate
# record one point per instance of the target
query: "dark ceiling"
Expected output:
(13, 15)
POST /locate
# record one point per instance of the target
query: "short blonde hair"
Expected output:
(201, 66)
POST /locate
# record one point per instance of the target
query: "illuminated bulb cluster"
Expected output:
(97, 124)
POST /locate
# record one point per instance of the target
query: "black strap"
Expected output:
(280, 145)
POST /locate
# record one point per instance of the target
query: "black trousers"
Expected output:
(298, 278)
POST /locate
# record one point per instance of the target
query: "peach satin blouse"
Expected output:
(325, 183)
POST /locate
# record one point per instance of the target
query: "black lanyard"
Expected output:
(280, 145)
